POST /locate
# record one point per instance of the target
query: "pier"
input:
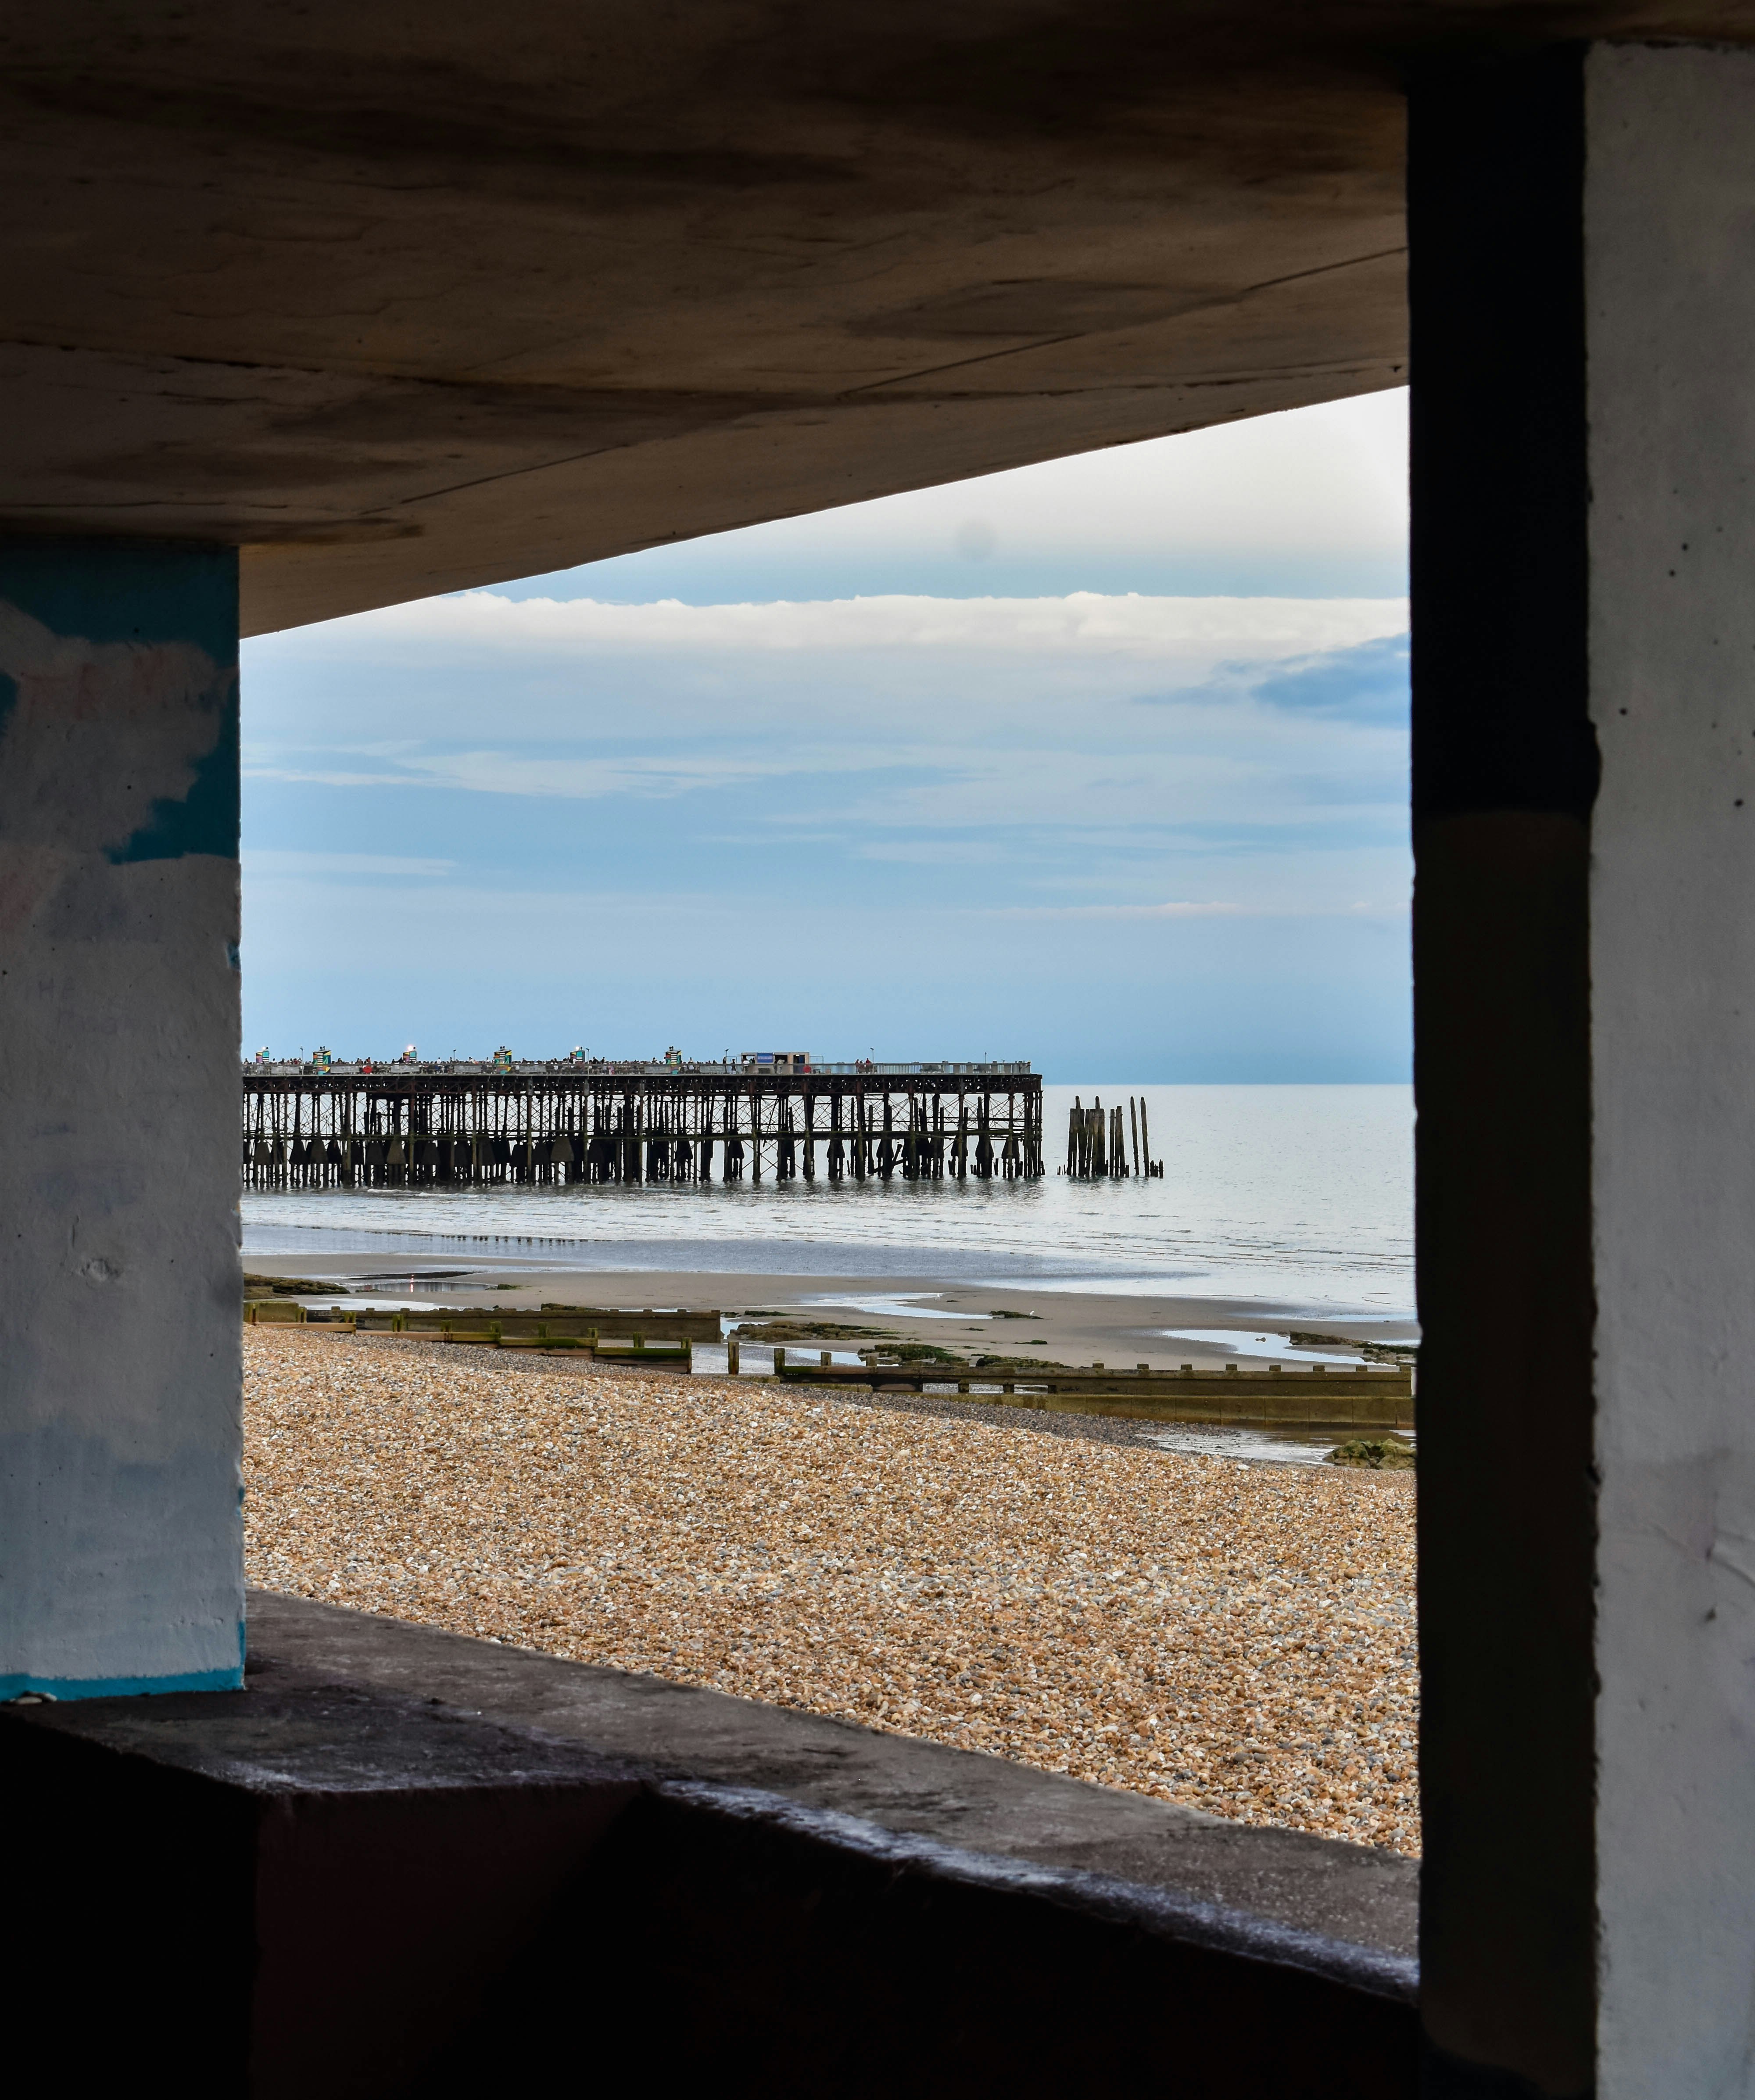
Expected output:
(424, 1124)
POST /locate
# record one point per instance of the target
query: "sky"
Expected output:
(1101, 763)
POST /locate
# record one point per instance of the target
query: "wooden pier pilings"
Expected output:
(1096, 1142)
(420, 1126)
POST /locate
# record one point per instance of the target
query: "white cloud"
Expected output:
(578, 779)
(1176, 908)
(954, 784)
(1311, 478)
(1194, 632)
(1190, 908)
(878, 717)
(933, 853)
(271, 863)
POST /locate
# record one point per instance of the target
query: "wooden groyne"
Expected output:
(577, 1323)
(1322, 1396)
(403, 1125)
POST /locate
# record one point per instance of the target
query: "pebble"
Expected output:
(1236, 1638)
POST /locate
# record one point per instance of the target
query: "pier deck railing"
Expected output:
(600, 1068)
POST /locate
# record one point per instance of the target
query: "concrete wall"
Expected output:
(1584, 462)
(120, 1535)
(1669, 293)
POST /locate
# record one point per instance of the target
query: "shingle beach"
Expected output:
(1238, 1638)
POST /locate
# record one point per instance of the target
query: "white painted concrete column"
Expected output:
(121, 1561)
(1670, 294)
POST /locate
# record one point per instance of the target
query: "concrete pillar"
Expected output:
(1584, 580)
(120, 1533)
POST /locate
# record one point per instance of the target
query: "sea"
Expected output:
(1296, 1198)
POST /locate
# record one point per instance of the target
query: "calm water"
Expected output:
(1297, 1196)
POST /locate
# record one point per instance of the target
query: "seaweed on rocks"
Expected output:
(1381, 1454)
(806, 1330)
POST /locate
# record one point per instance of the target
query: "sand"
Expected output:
(1129, 1326)
(1238, 1638)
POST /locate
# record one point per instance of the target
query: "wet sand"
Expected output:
(1076, 1326)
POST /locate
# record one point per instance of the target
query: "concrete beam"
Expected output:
(1584, 328)
(398, 302)
(121, 1539)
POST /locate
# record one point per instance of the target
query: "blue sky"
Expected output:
(1101, 763)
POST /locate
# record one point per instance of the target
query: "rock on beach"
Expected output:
(1238, 1638)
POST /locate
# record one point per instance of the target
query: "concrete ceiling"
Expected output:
(403, 298)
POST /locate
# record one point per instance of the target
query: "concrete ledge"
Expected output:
(1349, 1893)
(404, 1861)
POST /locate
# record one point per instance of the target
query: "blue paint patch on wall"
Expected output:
(148, 593)
(207, 818)
(119, 1687)
(128, 590)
